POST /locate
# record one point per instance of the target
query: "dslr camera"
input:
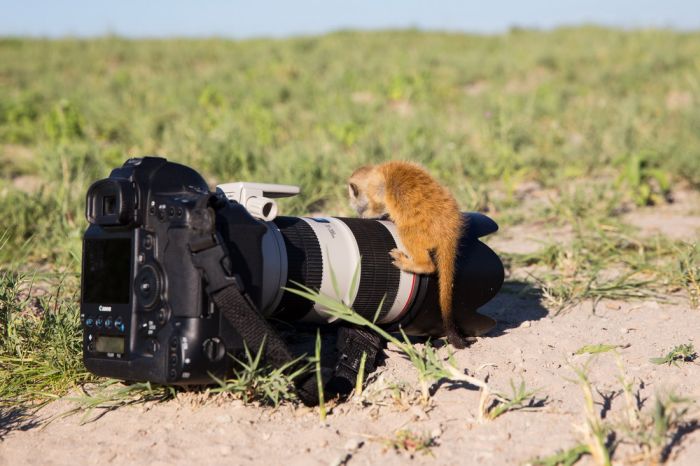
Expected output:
(160, 248)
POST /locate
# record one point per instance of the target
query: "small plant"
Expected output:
(689, 272)
(595, 431)
(563, 458)
(520, 398)
(655, 433)
(411, 442)
(681, 353)
(254, 381)
(647, 183)
(361, 374)
(319, 378)
(599, 348)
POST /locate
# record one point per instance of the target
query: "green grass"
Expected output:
(652, 433)
(112, 394)
(680, 353)
(563, 458)
(254, 381)
(607, 259)
(520, 398)
(40, 338)
(522, 106)
(596, 349)
(603, 120)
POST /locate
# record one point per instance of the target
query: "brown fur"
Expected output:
(427, 218)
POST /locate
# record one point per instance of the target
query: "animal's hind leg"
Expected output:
(419, 262)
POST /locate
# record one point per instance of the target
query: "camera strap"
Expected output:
(352, 343)
(226, 291)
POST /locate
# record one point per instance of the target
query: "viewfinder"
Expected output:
(109, 204)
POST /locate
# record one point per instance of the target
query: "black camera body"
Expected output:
(146, 305)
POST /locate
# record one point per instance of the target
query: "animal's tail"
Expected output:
(446, 258)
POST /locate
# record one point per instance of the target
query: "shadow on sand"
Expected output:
(517, 302)
(15, 418)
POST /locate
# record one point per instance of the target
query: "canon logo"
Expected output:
(104, 308)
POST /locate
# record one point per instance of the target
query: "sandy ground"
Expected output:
(529, 344)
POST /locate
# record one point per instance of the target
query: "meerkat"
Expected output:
(427, 218)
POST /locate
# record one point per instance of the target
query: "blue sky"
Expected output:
(269, 18)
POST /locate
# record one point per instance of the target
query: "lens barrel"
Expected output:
(324, 253)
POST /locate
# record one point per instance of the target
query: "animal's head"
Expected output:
(366, 191)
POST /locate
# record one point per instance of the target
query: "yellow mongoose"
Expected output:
(427, 218)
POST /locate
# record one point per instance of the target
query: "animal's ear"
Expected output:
(354, 190)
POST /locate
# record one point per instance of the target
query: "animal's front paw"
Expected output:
(401, 260)
(396, 254)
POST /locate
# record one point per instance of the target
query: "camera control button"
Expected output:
(213, 349)
(147, 286)
(99, 322)
(152, 346)
(108, 322)
(89, 321)
(118, 324)
(148, 241)
(162, 316)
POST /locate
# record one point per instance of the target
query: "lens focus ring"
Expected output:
(379, 278)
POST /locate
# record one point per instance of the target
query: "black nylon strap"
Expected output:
(256, 331)
(352, 343)
(252, 326)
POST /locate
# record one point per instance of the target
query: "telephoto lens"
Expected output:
(175, 276)
(312, 248)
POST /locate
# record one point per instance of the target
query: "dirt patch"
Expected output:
(678, 220)
(528, 345)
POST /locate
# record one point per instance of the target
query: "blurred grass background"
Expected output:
(615, 112)
(483, 113)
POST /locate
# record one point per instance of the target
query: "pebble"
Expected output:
(224, 419)
(526, 324)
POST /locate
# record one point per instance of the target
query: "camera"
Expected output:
(160, 245)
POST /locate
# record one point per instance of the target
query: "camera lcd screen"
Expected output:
(106, 274)
(105, 344)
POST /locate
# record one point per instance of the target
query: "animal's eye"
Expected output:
(354, 189)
